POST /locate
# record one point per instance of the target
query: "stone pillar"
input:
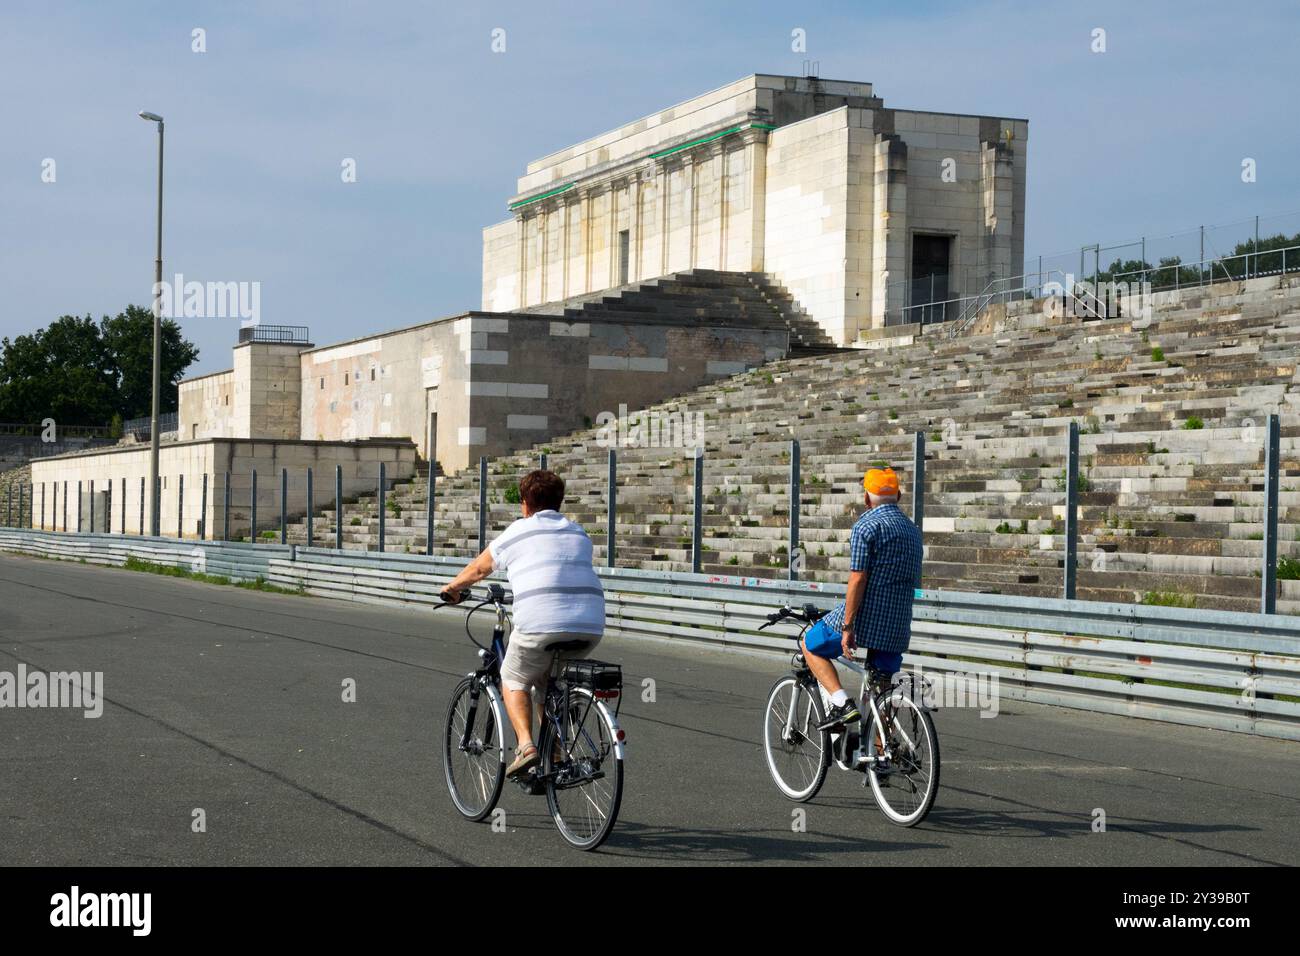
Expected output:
(586, 240)
(720, 174)
(889, 236)
(997, 197)
(755, 153)
(634, 230)
(521, 276)
(663, 217)
(542, 217)
(564, 248)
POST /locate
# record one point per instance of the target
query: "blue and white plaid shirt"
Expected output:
(886, 545)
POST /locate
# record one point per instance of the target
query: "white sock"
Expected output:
(839, 698)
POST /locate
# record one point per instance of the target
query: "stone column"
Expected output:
(663, 217)
(564, 248)
(634, 230)
(542, 217)
(521, 275)
(586, 240)
(889, 237)
(755, 152)
(997, 196)
(720, 174)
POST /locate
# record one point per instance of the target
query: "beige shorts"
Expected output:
(529, 657)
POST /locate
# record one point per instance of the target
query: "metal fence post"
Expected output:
(43, 506)
(1071, 510)
(78, 505)
(225, 510)
(9, 506)
(541, 462)
(611, 527)
(311, 510)
(20, 505)
(252, 511)
(918, 482)
(383, 505)
(203, 510)
(430, 507)
(284, 505)
(141, 505)
(482, 503)
(89, 527)
(155, 525)
(123, 505)
(697, 504)
(1272, 457)
(795, 482)
(338, 507)
(180, 507)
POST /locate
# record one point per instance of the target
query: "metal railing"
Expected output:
(275, 334)
(41, 507)
(140, 427)
(1230, 671)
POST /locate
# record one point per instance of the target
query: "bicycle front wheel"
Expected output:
(905, 791)
(798, 754)
(583, 770)
(473, 749)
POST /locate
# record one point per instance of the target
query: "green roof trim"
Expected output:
(708, 139)
(553, 192)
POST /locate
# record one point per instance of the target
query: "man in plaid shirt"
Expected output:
(884, 572)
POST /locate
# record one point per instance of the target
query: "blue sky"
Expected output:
(1147, 138)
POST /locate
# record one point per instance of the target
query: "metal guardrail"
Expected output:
(276, 334)
(1219, 669)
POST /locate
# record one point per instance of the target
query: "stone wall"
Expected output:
(117, 476)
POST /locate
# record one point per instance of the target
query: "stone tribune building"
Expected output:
(816, 182)
(770, 216)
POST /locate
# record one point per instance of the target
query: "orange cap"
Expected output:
(881, 482)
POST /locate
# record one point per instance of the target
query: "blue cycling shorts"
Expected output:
(821, 640)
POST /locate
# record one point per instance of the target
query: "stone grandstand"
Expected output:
(1172, 411)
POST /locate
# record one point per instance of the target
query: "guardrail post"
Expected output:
(203, 510)
(1272, 457)
(430, 507)
(180, 507)
(252, 511)
(611, 521)
(1071, 511)
(697, 506)
(918, 481)
(383, 505)
(225, 510)
(311, 509)
(141, 505)
(284, 505)
(338, 507)
(78, 506)
(482, 503)
(795, 482)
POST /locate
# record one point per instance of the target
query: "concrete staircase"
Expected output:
(746, 299)
(1170, 511)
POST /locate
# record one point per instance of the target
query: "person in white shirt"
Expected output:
(558, 599)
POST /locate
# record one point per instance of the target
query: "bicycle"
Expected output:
(901, 762)
(581, 744)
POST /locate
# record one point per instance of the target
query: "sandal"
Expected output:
(525, 760)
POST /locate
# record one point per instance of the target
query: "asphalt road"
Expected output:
(231, 701)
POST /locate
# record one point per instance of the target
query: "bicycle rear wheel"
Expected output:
(473, 749)
(906, 792)
(584, 771)
(798, 754)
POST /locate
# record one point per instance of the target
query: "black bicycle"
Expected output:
(899, 755)
(580, 744)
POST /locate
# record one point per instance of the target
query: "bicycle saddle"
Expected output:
(569, 646)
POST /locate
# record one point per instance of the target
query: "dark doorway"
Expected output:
(929, 278)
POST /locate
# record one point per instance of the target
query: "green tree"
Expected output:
(80, 372)
(128, 337)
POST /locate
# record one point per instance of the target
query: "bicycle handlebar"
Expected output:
(808, 614)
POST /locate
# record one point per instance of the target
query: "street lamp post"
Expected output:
(154, 526)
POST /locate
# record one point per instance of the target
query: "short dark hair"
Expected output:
(542, 490)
